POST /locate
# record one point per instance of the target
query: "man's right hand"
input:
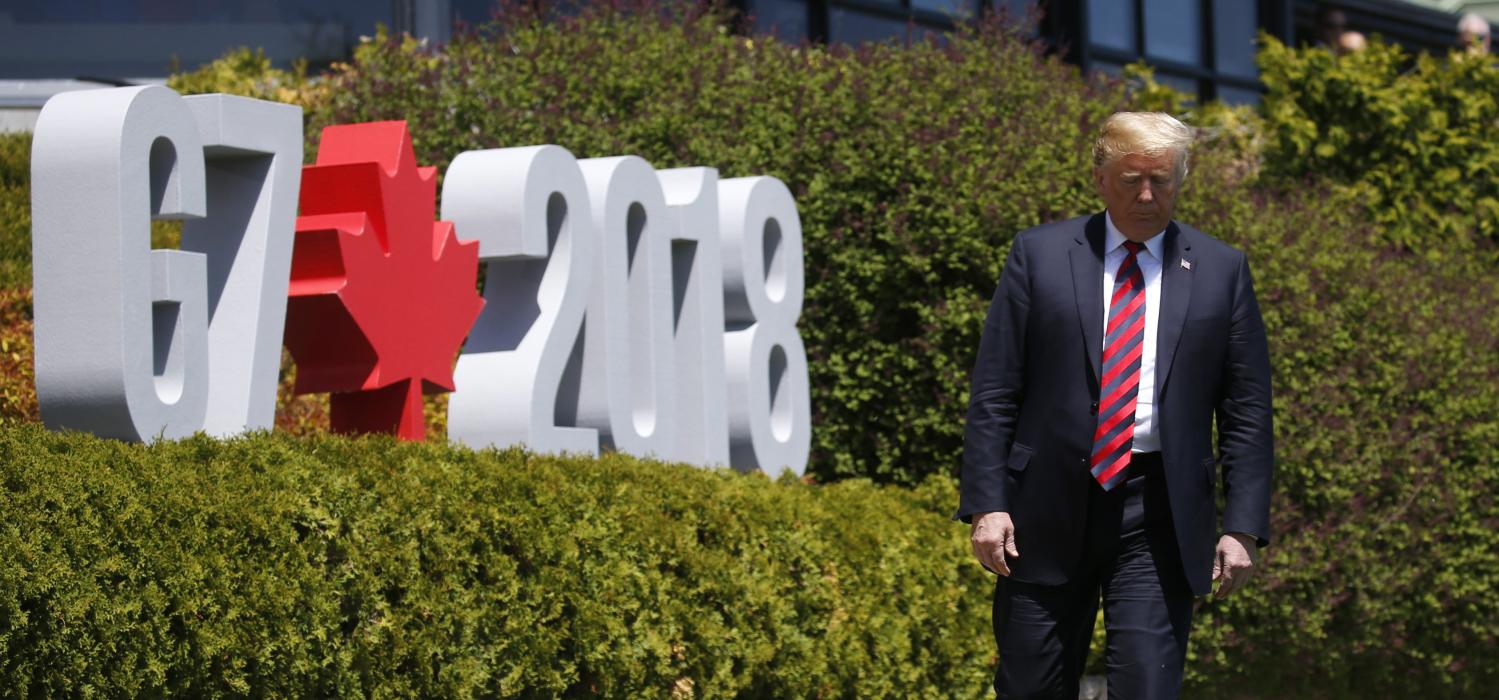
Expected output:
(993, 541)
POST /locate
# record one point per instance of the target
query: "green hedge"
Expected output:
(1383, 580)
(1415, 138)
(272, 566)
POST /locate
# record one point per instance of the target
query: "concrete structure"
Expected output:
(1489, 9)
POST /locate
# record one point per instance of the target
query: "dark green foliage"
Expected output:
(1419, 144)
(15, 209)
(327, 567)
(1383, 580)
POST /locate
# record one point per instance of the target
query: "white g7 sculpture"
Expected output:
(649, 312)
(124, 333)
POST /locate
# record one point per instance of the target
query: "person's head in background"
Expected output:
(1349, 42)
(1331, 23)
(1333, 32)
(1473, 33)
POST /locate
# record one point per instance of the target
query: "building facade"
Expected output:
(1204, 47)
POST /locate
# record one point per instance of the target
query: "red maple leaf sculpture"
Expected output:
(381, 295)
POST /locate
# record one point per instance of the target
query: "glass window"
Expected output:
(1019, 12)
(1238, 96)
(1015, 7)
(1111, 24)
(956, 9)
(134, 40)
(1180, 82)
(474, 12)
(783, 19)
(1173, 30)
(1108, 68)
(852, 27)
(1234, 26)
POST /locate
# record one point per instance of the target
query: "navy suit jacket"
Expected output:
(1034, 402)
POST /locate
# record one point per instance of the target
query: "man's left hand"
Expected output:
(1238, 556)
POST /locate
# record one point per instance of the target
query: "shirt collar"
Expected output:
(1114, 239)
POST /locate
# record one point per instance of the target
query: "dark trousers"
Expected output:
(1131, 561)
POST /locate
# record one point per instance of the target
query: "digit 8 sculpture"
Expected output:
(770, 422)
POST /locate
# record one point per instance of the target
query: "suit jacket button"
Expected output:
(1094, 408)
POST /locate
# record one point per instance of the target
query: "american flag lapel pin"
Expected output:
(1186, 264)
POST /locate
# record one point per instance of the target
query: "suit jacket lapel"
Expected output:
(1087, 282)
(1176, 297)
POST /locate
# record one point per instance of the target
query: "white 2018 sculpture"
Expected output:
(650, 312)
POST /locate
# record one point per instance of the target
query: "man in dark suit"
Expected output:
(1112, 343)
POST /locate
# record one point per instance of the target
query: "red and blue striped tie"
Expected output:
(1124, 340)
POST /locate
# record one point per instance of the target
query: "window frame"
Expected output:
(1207, 76)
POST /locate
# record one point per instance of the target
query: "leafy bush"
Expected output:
(1418, 143)
(15, 209)
(17, 365)
(248, 72)
(328, 567)
(1383, 580)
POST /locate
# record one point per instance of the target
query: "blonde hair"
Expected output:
(1148, 133)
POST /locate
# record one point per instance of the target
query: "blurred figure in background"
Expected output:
(1473, 33)
(1333, 32)
(1349, 42)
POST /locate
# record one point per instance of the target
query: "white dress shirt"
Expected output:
(1147, 438)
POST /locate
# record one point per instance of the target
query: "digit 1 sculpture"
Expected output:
(702, 434)
(381, 294)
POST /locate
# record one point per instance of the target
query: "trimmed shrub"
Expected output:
(1383, 580)
(1417, 140)
(17, 364)
(326, 567)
